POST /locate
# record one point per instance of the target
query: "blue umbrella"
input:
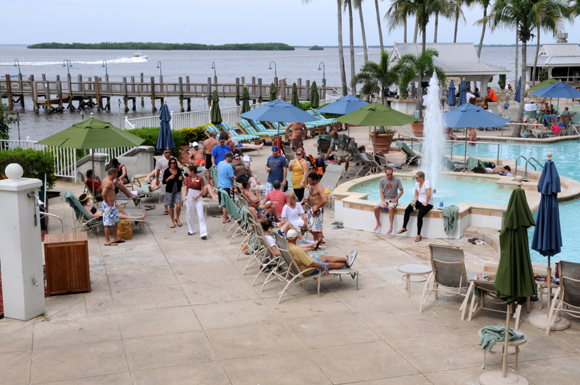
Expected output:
(518, 95)
(344, 105)
(557, 90)
(547, 238)
(451, 101)
(468, 115)
(278, 111)
(165, 138)
(462, 93)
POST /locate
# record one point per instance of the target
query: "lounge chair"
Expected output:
(293, 274)
(448, 276)
(250, 130)
(365, 167)
(331, 176)
(412, 156)
(261, 128)
(238, 137)
(567, 296)
(483, 291)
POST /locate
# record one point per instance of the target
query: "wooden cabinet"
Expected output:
(66, 258)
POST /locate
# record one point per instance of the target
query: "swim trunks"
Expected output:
(200, 162)
(315, 220)
(208, 162)
(110, 214)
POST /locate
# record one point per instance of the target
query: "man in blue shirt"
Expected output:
(277, 168)
(225, 179)
(219, 151)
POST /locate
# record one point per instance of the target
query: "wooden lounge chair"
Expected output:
(482, 292)
(448, 277)
(567, 296)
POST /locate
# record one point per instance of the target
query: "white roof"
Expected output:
(557, 54)
(456, 59)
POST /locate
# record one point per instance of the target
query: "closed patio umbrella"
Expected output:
(165, 138)
(294, 101)
(515, 277)
(314, 97)
(518, 95)
(273, 92)
(215, 114)
(462, 93)
(451, 100)
(245, 101)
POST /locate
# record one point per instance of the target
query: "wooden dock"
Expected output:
(55, 94)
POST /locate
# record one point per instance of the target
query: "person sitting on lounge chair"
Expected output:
(362, 150)
(233, 144)
(567, 115)
(84, 199)
(267, 210)
(449, 134)
(94, 181)
(318, 264)
(303, 243)
(293, 212)
(243, 172)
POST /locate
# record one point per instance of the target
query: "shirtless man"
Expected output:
(197, 155)
(297, 135)
(255, 205)
(317, 200)
(472, 134)
(110, 212)
(207, 148)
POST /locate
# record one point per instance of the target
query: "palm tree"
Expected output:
(396, 18)
(545, 16)
(379, 24)
(458, 12)
(484, 4)
(376, 76)
(340, 48)
(525, 16)
(358, 5)
(348, 5)
(410, 67)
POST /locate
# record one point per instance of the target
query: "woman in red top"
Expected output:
(192, 196)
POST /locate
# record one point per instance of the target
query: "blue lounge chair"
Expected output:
(250, 130)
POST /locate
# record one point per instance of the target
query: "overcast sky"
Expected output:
(217, 22)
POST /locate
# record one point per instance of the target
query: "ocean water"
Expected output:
(291, 65)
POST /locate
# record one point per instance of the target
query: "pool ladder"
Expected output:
(528, 160)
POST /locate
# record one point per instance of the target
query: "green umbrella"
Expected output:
(543, 84)
(376, 114)
(245, 101)
(273, 92)
(215, 113)
(514, 281)
(295, 102)
(90, 134)
(314, 98)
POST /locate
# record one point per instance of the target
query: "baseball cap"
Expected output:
(275, 148)
(291, 234)
(195, 144)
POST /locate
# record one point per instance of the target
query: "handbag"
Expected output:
(124, 230)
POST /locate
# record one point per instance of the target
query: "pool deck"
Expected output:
(166, 308)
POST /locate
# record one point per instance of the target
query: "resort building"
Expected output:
(561, 59)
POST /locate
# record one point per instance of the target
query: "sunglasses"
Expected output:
(298, 154)
(389, 174)
(167, 152)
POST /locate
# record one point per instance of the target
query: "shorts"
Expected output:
(315, 220)
(391, 204)
(208, 162)
(340, 154)
(297, 143)
(200, 162)
(228, 190)
(110, 214)
(269, 187)
(316, 271)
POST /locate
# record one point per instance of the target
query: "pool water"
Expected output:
(451, 190)
(566, 155)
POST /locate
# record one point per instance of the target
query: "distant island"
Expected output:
(316, 48)
(168, 46)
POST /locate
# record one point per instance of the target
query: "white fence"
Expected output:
(65, 159)
(181, 120)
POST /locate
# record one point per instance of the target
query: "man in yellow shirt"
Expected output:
(316, 264)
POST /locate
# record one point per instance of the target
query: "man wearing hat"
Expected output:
(316, 264)
(277, 169)
(196, 154)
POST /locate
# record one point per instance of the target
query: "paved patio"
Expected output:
(168, 308)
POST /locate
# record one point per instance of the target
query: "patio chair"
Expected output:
(293, 274)
(82, 216)
(261, 128)
(448, 277)
(567, 296)
(365, 167)
(239, 137)
(412, 156)
(483, 291)
(331, 176)
(323, 143)
(250, 130)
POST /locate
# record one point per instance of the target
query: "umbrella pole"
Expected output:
(549, 283)
(465, 155)
(94, 173)
(507, 336)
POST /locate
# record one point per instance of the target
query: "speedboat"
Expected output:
(139, 55)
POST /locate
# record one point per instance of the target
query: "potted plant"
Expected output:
(382, 139)
(417, 128)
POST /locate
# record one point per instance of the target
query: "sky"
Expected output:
(219, 22)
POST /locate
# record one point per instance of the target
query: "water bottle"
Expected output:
(332, 191)
(441, 204)
(386, 206)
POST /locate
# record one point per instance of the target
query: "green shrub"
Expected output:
(190, 135)
(305, 106)
(33, 162)
(501, 82)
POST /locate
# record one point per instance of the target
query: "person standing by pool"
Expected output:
(225, 180)
(207, 148)
(162, 165)
(297, 135)
(341, 141)
(317, 199)
(299, 168)
(277, 169)
(423, 202)
(218, 153)
(192, 195)
(172, 179)
(391, 189)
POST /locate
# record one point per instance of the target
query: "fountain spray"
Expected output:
(434, 142)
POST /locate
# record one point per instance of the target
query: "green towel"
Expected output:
(491, 334)
(450, 214)
(475, 165)
(230, 206)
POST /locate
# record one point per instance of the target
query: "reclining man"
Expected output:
(324, 263)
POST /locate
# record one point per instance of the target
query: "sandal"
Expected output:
(419, 239)
(402, 231)
(165, 212)
(178, 223)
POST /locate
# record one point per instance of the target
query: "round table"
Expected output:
(409, 269)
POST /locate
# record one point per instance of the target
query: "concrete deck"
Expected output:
(168, 308)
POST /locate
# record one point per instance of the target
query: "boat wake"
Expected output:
(123, 60)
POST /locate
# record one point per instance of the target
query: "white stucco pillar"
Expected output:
(21, 246)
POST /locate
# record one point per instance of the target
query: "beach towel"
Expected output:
(491, 334)
(450, 214)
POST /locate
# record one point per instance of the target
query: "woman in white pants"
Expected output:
(192, 196)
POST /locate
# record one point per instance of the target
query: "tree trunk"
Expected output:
(436, 26)
(424, 45)
(535, 73)
(482, 33)
(416, 29)
(518, 129)
(364, 36)
(517, 53)
(379, 24)
(405, 30)
(424, 34)
(341, 50)
(351, 39)
(456, 25)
